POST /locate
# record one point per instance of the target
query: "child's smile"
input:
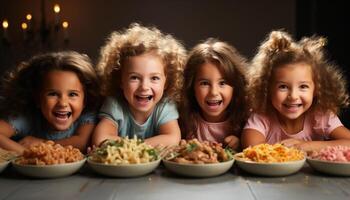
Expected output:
(61, 99)
(143, 82)
(292, 90)
(212, 93)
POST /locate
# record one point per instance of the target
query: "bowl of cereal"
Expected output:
(333, 160)
(49, 160)
(124, 158)
(270, 160)
(198, 159)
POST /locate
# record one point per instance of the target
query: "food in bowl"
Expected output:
(332, 153)
(196, 152)
(124, 151)
(49, 153)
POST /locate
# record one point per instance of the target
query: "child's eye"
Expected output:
(204, 83)
(155, 78)
(134, 78)
(223, 82)
(73, 94)
(304, 86)
(283, 87)
(52, 94)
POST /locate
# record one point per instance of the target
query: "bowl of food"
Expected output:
(49, 160)
(198, 159)
(124, 158)
(333, 160)
(270, 160)
(5, 158)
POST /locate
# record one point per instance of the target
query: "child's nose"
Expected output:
(63, 101)
(293, 94)
(144, 85)
(214, 90)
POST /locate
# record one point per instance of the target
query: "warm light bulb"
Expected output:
(28, 17)
(56, 8)
(65, 24)
(5, 24)
(24, 26)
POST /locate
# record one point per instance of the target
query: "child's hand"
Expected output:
(299, 144)
(30, 140)
(232, 141)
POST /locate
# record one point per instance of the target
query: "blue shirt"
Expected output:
(120, 114)
(37, 126)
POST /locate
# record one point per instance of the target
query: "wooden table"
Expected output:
(164, 185)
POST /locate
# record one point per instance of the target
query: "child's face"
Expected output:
(292, 90)
(61, 99)
(212, 92)
(143, 82)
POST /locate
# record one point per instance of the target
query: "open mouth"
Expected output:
(292, 105)
(214, 102)
(144, 98)
(62, 115)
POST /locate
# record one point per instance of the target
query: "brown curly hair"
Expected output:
(138, 40)
(233, 67)
(280, 49)
(21, 85)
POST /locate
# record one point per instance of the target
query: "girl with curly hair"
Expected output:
(51, 96)
(214, 106)
(296, 95)
(141, 70)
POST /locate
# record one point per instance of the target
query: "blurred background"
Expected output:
(33, 26)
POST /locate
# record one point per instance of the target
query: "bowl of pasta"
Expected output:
(5, 158)
(270, 160)
(198, 159)
(124, 158)
(49, 160)
(333, 160)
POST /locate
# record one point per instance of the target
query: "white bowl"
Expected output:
(269, 169)
(330, 167)
(123, 170)
(48, 171)
(3, 165)
(198, 170)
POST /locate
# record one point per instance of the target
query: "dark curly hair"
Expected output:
(21, 85)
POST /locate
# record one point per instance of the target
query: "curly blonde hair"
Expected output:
(280, 49)
(138, 40)
(233, 67)
(21, 85)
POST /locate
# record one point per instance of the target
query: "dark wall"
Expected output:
(243, 23)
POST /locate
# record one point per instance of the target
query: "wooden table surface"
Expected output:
(162, 184)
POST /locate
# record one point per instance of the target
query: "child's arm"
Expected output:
(105, 129)
(80, 139)
(6, 131)
(339, 136)
(169, 134)
(251, 137)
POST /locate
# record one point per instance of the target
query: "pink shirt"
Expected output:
(214, 132)
(318, 127)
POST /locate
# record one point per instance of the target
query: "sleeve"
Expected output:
(259, 123)
(20, 124)
(88, 118)
(325, 124)
(167, 112)
(112, 110)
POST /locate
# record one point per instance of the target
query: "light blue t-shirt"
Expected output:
(119, 112)
(37, 126)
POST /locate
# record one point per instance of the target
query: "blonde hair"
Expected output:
(233, 67)
(280, 49)
(20, 85)
(138, 40)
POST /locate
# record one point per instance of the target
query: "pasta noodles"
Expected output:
(49, 153)
(266, 153)
(124, 151)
